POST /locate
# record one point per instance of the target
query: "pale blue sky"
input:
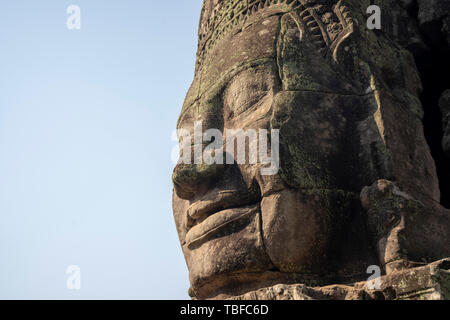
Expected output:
(86, 119)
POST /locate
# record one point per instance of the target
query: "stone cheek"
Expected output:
(296, 230)
(319, 140)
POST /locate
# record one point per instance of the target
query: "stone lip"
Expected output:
(216, 222)
(428, 282)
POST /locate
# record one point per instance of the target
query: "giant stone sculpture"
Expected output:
(356, 186)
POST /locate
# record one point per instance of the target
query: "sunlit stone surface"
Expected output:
(357, 184)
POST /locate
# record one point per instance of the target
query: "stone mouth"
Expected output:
(214, 201)
(218, 223)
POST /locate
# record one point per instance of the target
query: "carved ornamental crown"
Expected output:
(325, 19)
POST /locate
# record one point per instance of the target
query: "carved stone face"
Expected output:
(295, 67)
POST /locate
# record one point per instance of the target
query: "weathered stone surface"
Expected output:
(433, 10)
(357, 184)
(434, 16)
(444, 103)
(430, 282)
(446, 29)
(404, 230)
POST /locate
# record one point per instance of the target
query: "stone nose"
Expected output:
(191, 180)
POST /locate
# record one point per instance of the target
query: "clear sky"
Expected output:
(86, 118)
